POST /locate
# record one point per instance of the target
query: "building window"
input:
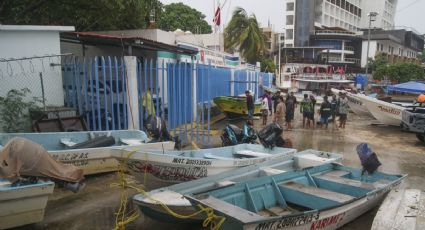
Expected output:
(290, 20)
(290, 6)
(290, 34)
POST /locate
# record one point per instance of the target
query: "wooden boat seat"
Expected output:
(319, 192)
(67, 142)
(249, 153)
(212, 156)
(129, 141)
(271, 171)
(236, 212)
(274, 211)
(351, 182)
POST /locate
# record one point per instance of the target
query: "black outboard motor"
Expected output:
(271, 136)
(368, 158)
(233, 135)
(157, 130)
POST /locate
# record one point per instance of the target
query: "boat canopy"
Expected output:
(408, 87)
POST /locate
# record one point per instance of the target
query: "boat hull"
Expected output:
(235, 106)
(401, 209)
(174, 198)
(157, 170)
(384, 112)
(91, 160)
(24, 204)
(356, 105)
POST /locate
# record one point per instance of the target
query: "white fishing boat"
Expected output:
(385, 112)
(355, 104)
(23, 205)
(173, 196)
(163, 168)
(323, 197)
(91, 150)
(401, 209)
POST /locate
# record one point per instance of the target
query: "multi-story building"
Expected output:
(330, 31)
(269, 34)
(396, 45)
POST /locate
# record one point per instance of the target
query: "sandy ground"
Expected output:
(399, 152)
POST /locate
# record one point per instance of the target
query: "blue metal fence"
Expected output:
(181, 93)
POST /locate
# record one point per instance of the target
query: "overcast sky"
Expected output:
(410, 12)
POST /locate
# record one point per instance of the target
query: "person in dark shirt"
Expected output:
(334, 107)
(325, 112)
(250, 105)
(313, 102)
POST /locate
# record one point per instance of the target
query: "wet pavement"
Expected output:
(399, 152)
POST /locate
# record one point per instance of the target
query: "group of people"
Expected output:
(284, 109)
(275, 105)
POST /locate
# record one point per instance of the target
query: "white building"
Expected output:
(26, 43)
(302, 16)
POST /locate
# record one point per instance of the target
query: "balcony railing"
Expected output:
(321, 32)
(338, 60)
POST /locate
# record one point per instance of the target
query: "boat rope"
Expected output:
(212, 220)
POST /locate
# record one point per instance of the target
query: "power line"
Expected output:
(411, 4)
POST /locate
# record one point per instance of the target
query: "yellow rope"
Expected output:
(121, 220)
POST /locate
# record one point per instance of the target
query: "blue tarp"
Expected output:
(408, 87)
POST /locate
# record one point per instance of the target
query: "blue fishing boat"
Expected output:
(173, 196)
(89, 150)
(323, 197)
(25, 204)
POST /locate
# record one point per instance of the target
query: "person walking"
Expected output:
(325, 112)
(313, 103)
(264, 109)
(306, 108)
(342, 110)
(275, 100)
(250, 106)
(280, 112)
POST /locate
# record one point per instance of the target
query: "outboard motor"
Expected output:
(271, 136)
(233, 135)
(368, 158)
(156, 128)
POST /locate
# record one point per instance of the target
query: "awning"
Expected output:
(408, 87)
(93, 38)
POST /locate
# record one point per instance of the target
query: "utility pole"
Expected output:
(280, 47)
(372, 18)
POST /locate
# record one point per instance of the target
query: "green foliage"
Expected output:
(15, 111)
(243, 34)
(421, 56)
(180, 16)
(380, 60)
(84, 15)
(399, 72)
(268, 66)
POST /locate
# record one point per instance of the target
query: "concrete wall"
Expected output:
(25, 74)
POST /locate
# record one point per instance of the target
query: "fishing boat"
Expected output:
(173, 196)
(23, 204)
(156, 168)
(323, 197)
(91, 150)
(385, 112)
(235, 106)
(401, 209)
(355, 104)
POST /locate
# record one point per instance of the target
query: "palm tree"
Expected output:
(243, 33)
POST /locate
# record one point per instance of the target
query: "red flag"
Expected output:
(217, 16)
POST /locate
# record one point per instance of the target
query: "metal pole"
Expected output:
(280, 44)
(42, 92)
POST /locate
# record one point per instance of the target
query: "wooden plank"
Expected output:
(236, 212)
(350, 182)
(250, 153)
(319, 192)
